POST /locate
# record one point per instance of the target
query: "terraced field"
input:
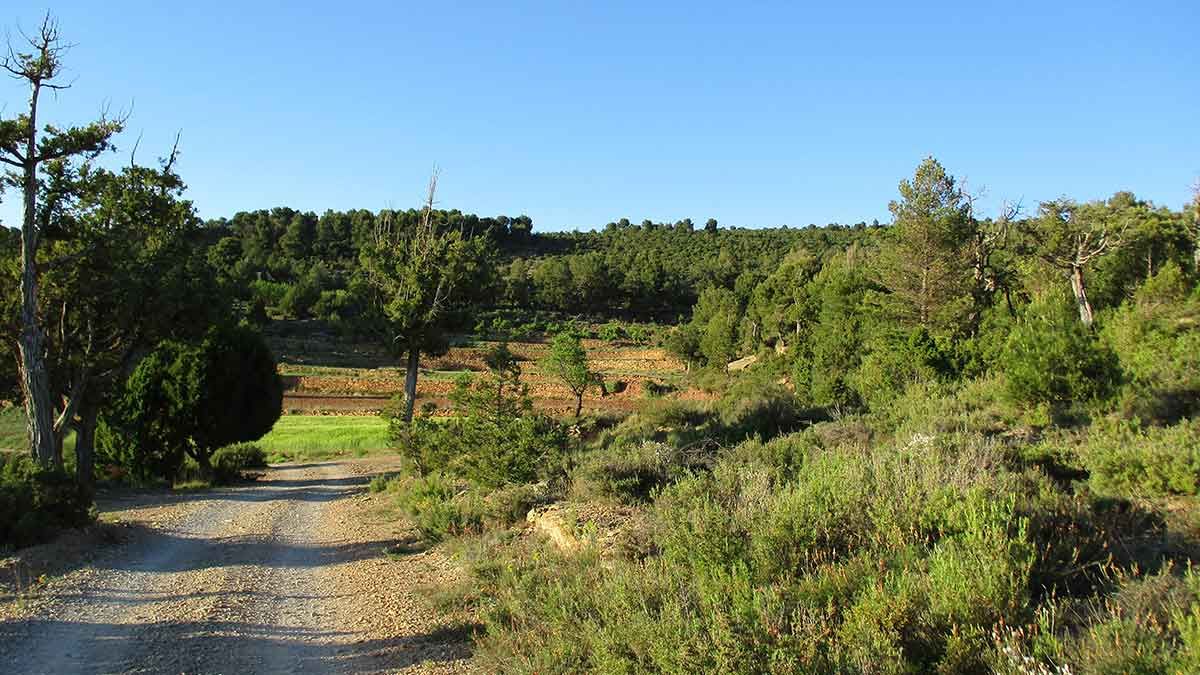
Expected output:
(324, 374)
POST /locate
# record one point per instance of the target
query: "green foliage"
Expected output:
(610, 332)
(1151, 239)
(896, 360)
(36, 503)
(269, 293)
(497, 396)
(1050, 358)
(418, 280)
(1156, 335)
(632, 473)
(492, 441)
(1147, 626)
(567, 362)
(684, 343)
(715, 320)
(837, 339)
(418, 277)
(193, 399)
(926, 268)
(488, 452)
(1125, 459)
(301, 298)
(906, 562)
(438, 506)
(234, 462)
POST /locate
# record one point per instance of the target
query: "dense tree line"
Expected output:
(944, 293)
(300, 265)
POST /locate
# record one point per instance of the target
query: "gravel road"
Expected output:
(284, 575)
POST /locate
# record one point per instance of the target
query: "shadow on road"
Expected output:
(308, 490)
(227, 646)
(173, 551)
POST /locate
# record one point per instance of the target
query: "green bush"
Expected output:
(439, 506)
(756, 408)
(655, 389)
(632, 474)
(896, 360)
(494, 440)
(1146, 625)
(610, 332)
(233, 462)
(508, 505)
(750, 408)
(1125, 459)
(639, 334)
(488, 452)
(977, 405)
(661, 420)
(1052, 358)
(37, 503)
(192, 399)
(269, 293)
(298, 301)
(1156, 335)
(333, 306)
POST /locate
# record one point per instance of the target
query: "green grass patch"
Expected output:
(13, 435)
(307, 370)
(299, 437)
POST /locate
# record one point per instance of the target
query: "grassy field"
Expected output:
(302, 437)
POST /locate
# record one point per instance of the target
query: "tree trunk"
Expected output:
(35, 381)
(578, 404)
(1077, 286)
(410, 383)
(204, 459)
(85, 444)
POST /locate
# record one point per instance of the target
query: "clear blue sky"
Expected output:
(756, 114)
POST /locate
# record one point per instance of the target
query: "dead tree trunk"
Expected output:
(35, 379)
(1080, 291)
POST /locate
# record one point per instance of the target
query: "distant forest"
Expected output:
(302, 264)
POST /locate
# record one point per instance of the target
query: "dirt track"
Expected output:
(281, 576)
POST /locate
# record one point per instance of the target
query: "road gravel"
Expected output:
(284, 575)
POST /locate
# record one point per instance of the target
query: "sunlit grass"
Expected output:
(12, 429)
(14, 436)
(298, 437)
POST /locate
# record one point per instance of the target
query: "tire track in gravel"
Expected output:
(280, 576)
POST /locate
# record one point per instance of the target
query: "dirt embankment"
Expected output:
(287, 574)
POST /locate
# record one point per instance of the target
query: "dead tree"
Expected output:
(27, 151)
(1070, 238)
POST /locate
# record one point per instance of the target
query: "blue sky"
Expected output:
(757, 114)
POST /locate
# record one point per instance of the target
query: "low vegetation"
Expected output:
(36, 503)
(905, 478)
